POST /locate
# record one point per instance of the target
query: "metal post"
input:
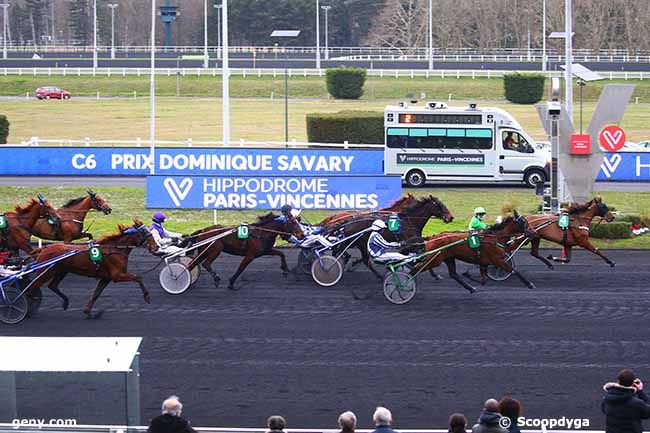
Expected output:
(555, 180)
(286, 98)
(94, 35)
(112, 6)
(4, 29)
(132, 382)
(178, 76)
(218, 8)
(327, 49)
(152, 92)
(543, 35)
(52, 22)
(206, 59)
(317, 35)
(568, 48)
(430, 50)
(225, 74)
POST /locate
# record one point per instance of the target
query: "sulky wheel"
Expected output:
(175, 278)
(13, 307)
(194, 273)
(399, 287)
(498, 274)
(327, 271)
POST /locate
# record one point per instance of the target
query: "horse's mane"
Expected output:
(26, 208)
(499, 226)
(421, 202)
(397, 204)
(120, 232)
(265, 219)
(575, 208)
(74, 201)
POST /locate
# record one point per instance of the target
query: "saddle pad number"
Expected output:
(242, 232)
(3, 222)
(393, 223)
(474, 241)
(564, 221)
(95, 254)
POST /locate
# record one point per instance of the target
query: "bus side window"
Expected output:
(516, 142)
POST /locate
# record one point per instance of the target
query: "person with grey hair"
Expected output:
(276, 424)
(170, 420)
(488, 421)
(383, 420)
(347, 422)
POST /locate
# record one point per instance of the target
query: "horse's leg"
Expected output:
(207, 263)
(436, 276)
(587, 245)
(366, 260)
(534, 251)
(244, 263)
(483, 274)
(101, 285)
(125, 277)
(283, 259)
(500, 263)
(54, 286)
(451, 267)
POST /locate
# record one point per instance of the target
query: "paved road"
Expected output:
(285, 346)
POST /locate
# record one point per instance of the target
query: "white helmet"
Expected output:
(296, 212)
(378, 225)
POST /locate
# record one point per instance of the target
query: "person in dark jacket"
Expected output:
(511, 409)
(347, 422)
(457, 423)
(488, 421)
(170, 421)
(383, 420)
(276, 424)
(625, 404)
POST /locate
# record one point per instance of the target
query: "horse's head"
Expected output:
(602, 210)
(99, 203)
(441, 210)
(47, 211)
(291, 223)
(512, 225)
(141, 236)
(427, 207)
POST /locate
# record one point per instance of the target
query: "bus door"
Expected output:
(515, 154)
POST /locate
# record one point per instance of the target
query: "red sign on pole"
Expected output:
(612, 138)
(580, 144)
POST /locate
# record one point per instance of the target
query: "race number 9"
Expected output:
(81, 161)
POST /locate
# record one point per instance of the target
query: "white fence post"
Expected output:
(138, 142)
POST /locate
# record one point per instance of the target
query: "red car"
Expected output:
(52, 93)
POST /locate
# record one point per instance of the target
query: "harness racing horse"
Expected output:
(260, 242)
(72, 216)
(339, 218)
(413, 219)
(115, 250)
(19, 224)
(449, 246)
(577, 234)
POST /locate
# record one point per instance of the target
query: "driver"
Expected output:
(377, 245)
(477, 220)
(312, 234)
(163, 237)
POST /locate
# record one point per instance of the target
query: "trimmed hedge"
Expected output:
(345, 83)
(613, 230)
(523, 88)
(4, 129)
(362, 127)
(629, 218)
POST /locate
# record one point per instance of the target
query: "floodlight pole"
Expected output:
(327, 49)
(317, 34)
(544, 36)
(94, 35)
(568, 48)
(152, 93)
(4, 6)
(218, 8)
(430, 50)
(206, 60)
(225, 72)
(286, 98)
(112, 6)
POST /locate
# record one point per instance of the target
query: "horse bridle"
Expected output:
(93, 196)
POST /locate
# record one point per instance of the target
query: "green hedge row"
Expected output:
(4, 129)
(613, 230)
(345, 83)
(523, 88)
(363, 127)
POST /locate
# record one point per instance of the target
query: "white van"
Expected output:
(437, 143)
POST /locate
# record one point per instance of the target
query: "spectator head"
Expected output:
(172, 406)
(348, 421)
(457, 423)
(382, 416)
(491, 405)
(626, 377)
(276, 423)
(509, 407)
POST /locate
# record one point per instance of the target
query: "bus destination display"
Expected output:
(447, 119)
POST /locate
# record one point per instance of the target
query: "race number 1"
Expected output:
(3, 222)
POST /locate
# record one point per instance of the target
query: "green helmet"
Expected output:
(479, 210)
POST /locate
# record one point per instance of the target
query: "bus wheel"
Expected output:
(415, 179)
(533, 177)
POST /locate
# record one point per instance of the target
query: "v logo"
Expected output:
(610, 164)
(178, 192)
(402, 158)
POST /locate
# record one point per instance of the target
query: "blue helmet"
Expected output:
(158, 217)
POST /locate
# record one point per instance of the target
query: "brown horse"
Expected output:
(72, 216)
(17, 234)
(577, 234)
(399, 204)
(113, 266)
(259, 243)
(454, 245)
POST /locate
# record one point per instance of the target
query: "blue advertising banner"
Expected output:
(253, 192)
(625, 167)
(135, 161)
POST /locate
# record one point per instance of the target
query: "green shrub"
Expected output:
(629, 218)
(345, 83)
(363, 127)
(523, 88)
(614, 230)
(4, 129)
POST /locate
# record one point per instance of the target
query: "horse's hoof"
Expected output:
(93, 316)
(285, 272)
(231, 286)
(217, 281)
(437, 277)
(531, 286)
(66, 304)
(471, 291)
(612, 264)
(147, 298)
(550, 266)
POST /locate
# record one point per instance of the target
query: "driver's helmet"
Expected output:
(479, 211)
(378, 225)
(158, 217)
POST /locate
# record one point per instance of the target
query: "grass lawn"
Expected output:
(200, 118)
(128, 203)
